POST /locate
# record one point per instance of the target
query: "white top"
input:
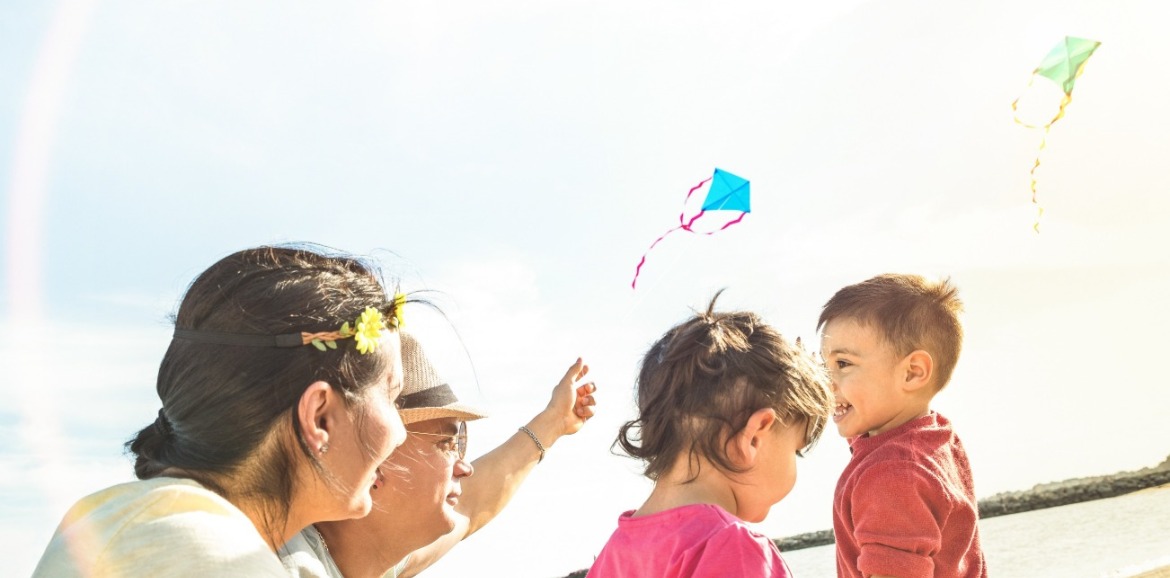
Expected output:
(306, 556)
(164, 527)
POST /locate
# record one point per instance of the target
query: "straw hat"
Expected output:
(424, 394)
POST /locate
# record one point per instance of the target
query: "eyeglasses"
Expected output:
(455, 445)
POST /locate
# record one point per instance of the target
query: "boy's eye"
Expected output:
(842, 364)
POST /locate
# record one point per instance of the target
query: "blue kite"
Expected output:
(725, 192)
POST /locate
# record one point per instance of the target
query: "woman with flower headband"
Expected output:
(277, 409)
(430, 500)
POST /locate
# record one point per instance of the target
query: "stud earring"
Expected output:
(324, 448)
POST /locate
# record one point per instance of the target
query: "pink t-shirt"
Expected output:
(690, 541)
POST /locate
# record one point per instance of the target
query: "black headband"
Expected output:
(249, 340)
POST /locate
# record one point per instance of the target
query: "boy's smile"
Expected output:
(865, 371)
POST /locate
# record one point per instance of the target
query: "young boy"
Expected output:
(905, 505)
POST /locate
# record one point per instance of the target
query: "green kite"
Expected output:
(1063, 65)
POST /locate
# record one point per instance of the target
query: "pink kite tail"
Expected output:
(638, 271)
(729, 223)
(682, 224)
(691, 222)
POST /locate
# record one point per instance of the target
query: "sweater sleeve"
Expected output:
(898, 512)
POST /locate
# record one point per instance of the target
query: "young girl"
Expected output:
(725, 406)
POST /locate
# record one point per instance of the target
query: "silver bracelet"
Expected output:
(539, 445)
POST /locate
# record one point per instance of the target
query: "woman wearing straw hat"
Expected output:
(431, 501)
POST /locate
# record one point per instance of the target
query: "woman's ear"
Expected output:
(313, 411)
(753, 436)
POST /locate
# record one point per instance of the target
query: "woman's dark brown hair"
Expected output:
(702, 380)
(221, 402)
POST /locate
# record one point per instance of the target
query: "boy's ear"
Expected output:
(752, 437)
(314, 411)
(919, 370)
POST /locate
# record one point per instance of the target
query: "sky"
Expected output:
(518, 157)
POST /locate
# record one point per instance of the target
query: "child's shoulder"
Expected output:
(737, 547)
(689, 515)
(690, 526)
(926, 444)
(723, 526)
(694, 540)
(911, 440)
(926, 456)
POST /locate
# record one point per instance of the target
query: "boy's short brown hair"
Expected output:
(704, 378)
(909, 312)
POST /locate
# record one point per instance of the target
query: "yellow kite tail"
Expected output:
(1064, 102)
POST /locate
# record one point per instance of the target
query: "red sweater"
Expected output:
(905, 506)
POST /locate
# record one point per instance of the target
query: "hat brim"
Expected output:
(456, 410)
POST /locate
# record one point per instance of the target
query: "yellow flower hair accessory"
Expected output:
(369, 329)
(399, 304)
(366, 331)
